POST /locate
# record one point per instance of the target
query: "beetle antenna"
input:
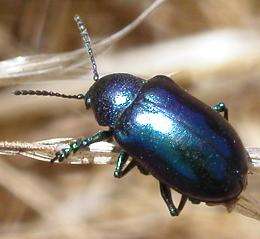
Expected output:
(48, 93)
(87, 45)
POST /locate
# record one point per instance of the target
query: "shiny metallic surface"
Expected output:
(183, 142)
(111, 95)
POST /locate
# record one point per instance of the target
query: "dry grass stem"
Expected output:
(63, 65)
(98, 153)
(106, 153)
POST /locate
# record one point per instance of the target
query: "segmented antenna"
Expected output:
(48, 93)
(87, 45)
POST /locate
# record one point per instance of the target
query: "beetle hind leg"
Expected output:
(120, 171)
(182, 203)
(167, 197)
(221, 107)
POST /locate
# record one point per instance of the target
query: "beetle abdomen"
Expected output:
(183, 142)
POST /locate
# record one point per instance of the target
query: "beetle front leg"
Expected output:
(81, 143)
(121, 161)
(221, 107)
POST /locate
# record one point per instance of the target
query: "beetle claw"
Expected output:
(174, 212)
(53, 160)
(117, 174)
(60, 156)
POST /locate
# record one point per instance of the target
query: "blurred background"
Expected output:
(209, 47)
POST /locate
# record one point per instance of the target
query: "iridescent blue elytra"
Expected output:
(182, 142)
(185, 144)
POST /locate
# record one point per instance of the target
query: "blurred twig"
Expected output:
(26, 68)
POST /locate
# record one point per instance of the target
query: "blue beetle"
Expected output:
(185, 144)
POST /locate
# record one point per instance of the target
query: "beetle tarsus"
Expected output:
(174, 212)
(61, 155)
(120, 163)
(120, 171)
(167, 197)
(221, 107)
(128, 168)
(81, 143)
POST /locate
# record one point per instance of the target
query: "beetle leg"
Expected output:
(221, 107)
(121, 161)
(182, 203)
(167, 197)
(194, 201)
(142, 169)
(81, 143)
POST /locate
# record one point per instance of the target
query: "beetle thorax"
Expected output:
(111, 95)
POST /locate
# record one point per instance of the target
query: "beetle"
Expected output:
(185, 144)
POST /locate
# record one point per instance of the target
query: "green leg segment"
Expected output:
(81, 143)
(221, 107)
(167, 197)
(121, 161)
